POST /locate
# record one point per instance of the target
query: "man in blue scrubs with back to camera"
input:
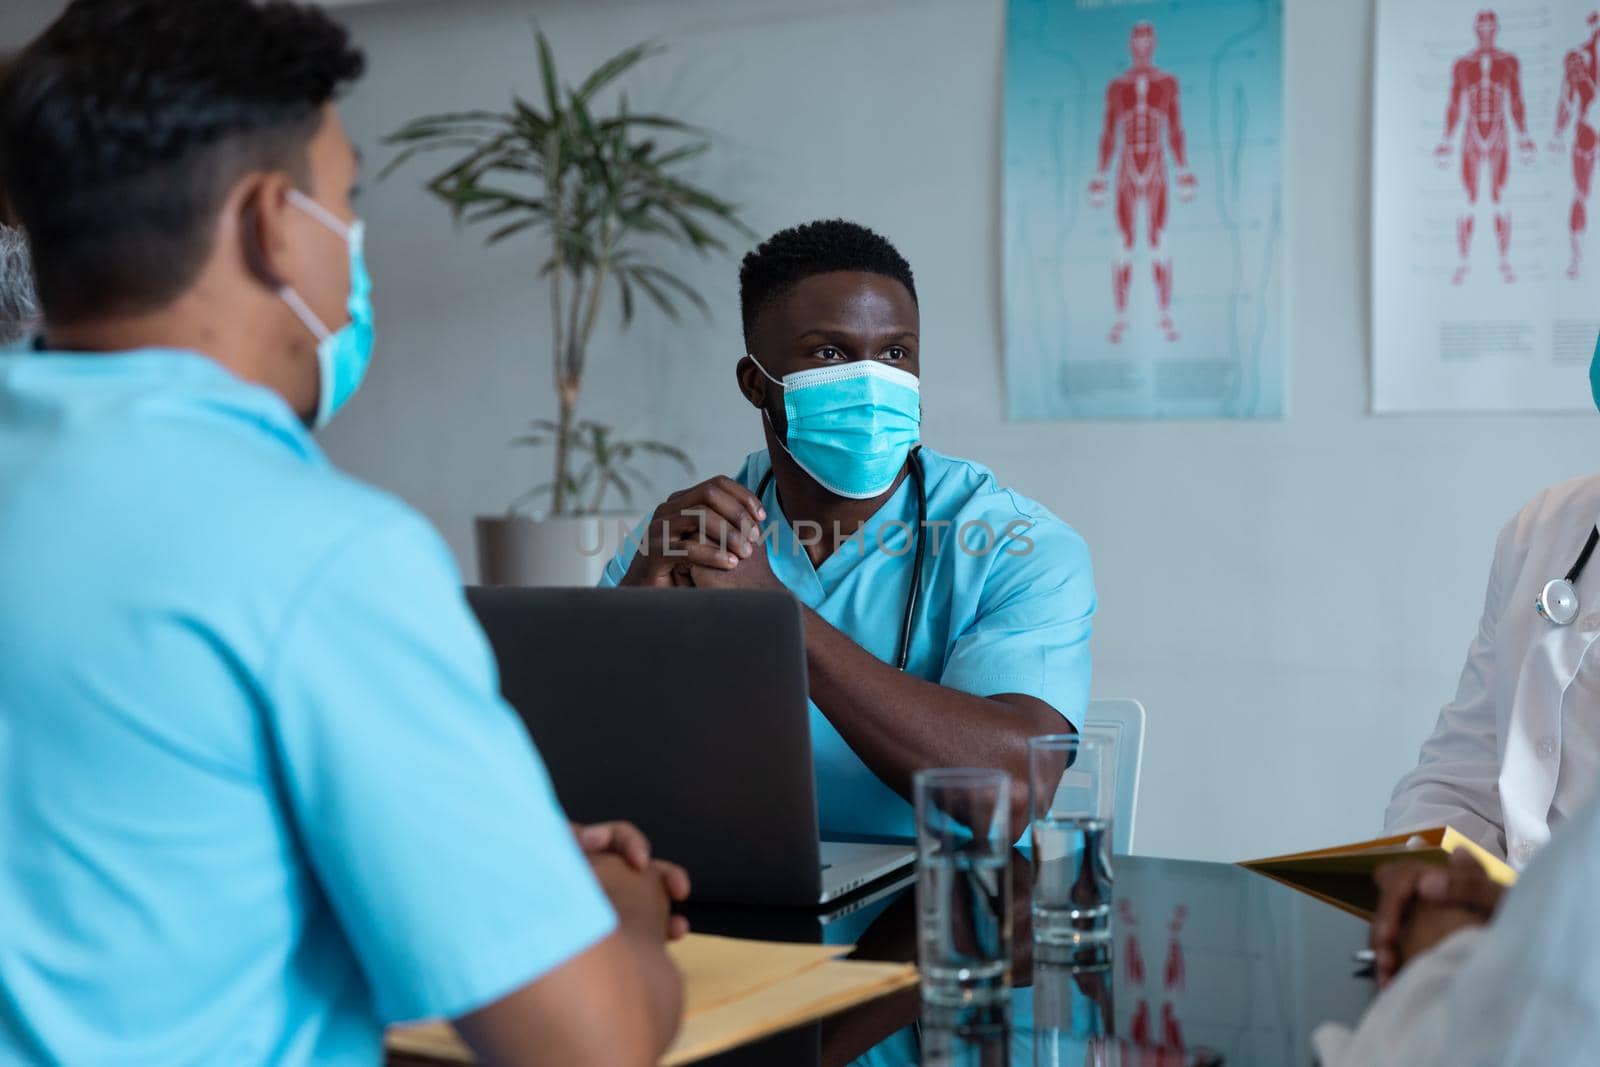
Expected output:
(259, 795)
(997, 649)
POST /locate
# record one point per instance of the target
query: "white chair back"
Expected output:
(1123, 720)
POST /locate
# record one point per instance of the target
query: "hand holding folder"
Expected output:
(1342, 876)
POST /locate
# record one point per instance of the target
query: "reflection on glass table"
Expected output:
(1207, 964)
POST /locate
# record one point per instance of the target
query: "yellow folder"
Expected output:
(735, 992)
(1342, 876)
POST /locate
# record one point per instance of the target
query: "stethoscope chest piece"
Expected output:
(1558, 602)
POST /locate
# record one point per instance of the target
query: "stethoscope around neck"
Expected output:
(1558, 600)
(914, 593)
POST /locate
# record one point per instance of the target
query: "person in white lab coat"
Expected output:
(1518, 750)
(1481, 980)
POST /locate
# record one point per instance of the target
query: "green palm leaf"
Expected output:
(608, 193)
(547, 73)
(614, 68)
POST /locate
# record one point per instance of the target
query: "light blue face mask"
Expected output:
(850, 426)
(342, 355)
(1594, 374)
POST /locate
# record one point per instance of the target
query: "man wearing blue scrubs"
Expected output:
(258, 793)
(999, 644)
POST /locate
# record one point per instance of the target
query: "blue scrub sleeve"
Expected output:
(1031, 631)
(619, 563)
(425, 811)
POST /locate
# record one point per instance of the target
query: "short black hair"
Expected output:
(124, 125)
(790, 256)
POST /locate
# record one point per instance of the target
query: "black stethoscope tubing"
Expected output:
(914, 592)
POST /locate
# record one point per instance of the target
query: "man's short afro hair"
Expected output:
(791, 256)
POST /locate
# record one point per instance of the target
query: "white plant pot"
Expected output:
(568, 551)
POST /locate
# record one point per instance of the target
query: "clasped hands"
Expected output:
(709, 536)
(624, 844)
(1421, 904)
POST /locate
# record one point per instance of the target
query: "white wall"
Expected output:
(1291, 599)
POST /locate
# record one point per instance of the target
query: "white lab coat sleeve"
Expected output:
(1406, 1025)
(1456, 780)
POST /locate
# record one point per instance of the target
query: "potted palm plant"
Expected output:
(605, 196)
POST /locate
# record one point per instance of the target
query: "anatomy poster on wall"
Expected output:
(1143, 233)
(1486, 290)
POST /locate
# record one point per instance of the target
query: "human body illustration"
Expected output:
(1141, 1030)
(1486, 83)
(1579, 71)
(1142, 115)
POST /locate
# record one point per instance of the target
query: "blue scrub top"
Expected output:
(1007, 607)
(258, 793)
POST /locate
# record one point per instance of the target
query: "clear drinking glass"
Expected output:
(1071, 792)
(963, 887)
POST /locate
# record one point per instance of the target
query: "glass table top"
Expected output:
(1208, 964)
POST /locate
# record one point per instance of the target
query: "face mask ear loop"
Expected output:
(776, 436)
(751, 356)
(320, 213)
(303, 311)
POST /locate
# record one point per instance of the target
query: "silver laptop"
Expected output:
(684, 712)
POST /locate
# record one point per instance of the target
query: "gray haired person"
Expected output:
(19, 309)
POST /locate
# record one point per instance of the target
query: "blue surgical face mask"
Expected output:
(344, 354)
(850, 426)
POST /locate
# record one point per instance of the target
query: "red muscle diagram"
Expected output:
(1486, 84)
(1167, 1046)
(1579, 71)
(1142, 116)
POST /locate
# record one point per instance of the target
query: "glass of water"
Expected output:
(1071, 792)
(963, 888)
